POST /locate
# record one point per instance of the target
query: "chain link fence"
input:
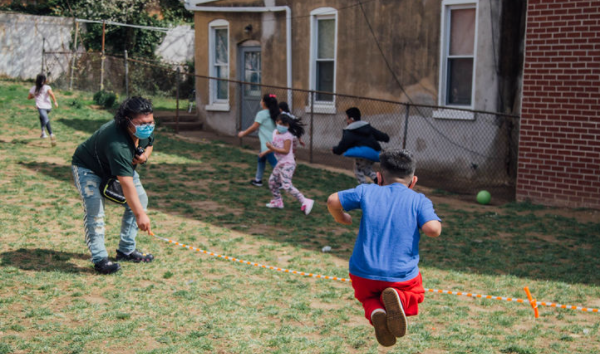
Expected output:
(457, 150)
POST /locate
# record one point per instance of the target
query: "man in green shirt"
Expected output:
(114, 150)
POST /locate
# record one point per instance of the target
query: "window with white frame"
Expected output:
(323, 54)
(219, 64)
(458, 52)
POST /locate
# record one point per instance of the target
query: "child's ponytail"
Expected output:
(296, 127)
(270, 101)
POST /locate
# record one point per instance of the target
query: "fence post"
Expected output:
(238, 127)
(74, 55)
(177, 105)
(126, 75)
(102, 58)
(43, 53)
(312, 114)
(406, 125)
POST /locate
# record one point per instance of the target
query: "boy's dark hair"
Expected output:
(353, 113)
(399, 163)
(40, 80)
(296, 127)
(130, 108)
(270, 101)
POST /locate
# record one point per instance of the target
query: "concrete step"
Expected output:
(184, 126)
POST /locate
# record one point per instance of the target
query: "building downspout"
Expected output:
(192, 5)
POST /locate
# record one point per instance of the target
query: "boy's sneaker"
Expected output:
(396, 319)
(135, 256)
(382, 333)
(43, 136)
(53, 139)
(275, 204)
(256, 183)
(107, 267)
(307, 206)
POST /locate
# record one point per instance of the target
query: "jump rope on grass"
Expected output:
(533, 302)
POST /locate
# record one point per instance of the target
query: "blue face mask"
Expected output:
(143, 131)
(281, 129)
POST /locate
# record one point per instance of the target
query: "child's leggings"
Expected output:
(368, 292)
(363, 168)
(282, 177)
(44, 120)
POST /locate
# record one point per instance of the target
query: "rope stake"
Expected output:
(533, 302)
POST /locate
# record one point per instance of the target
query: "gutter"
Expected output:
(193, 5)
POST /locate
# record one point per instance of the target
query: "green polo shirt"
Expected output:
(112, 147)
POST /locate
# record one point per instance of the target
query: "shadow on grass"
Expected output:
(213, 187)
(44, 260)
(84, 125)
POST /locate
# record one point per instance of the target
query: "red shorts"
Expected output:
(368, 292)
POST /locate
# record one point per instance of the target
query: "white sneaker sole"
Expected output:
(308, 206)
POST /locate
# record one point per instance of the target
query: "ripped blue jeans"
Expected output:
(88, 185)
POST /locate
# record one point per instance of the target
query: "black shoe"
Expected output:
(135, 256)
(256, 183)
(107, 267)
(375, 180)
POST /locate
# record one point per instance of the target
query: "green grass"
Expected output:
(51, 301)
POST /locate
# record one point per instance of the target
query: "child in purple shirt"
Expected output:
(384, 264)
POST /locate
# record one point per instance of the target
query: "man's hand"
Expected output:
(143, 223)
(140, 159)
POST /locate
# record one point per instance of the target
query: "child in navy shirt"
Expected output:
(384, 264)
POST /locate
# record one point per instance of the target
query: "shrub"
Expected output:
(105, 99)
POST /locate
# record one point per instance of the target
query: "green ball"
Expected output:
(484, 197)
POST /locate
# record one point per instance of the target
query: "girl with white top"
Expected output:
(42, 94)
(286, 129)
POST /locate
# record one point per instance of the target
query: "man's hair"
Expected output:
(398, 163)
(353, 113)
(131, 108)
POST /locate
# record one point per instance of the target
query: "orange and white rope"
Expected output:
(534, 303)
(233, 259)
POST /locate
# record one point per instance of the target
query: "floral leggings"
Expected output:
(282, 177)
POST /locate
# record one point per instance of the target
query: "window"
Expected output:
(322, 55)
(219, 65)
(458, 49)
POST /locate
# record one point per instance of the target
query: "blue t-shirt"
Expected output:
(387, 246)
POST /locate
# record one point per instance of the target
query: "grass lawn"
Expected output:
(51, 300)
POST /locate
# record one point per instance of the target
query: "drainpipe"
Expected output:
(193, 5)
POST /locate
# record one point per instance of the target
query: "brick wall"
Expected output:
(559, 145)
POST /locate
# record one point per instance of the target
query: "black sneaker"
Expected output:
(135, 256)
(107, 267)
(256, 183)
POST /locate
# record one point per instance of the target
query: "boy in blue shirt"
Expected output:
(384, 264)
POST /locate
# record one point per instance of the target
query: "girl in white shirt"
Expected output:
(42, 94)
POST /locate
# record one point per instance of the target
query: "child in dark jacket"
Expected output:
(360, 133)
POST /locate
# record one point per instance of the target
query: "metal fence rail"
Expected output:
(457, 150)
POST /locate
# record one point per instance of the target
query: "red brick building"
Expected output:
(559, 146)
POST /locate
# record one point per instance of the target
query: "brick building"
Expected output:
(559, 147)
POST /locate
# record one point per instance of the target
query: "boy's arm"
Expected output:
(343, 145)
(380, 136)
(337, 211)
(432, 228)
